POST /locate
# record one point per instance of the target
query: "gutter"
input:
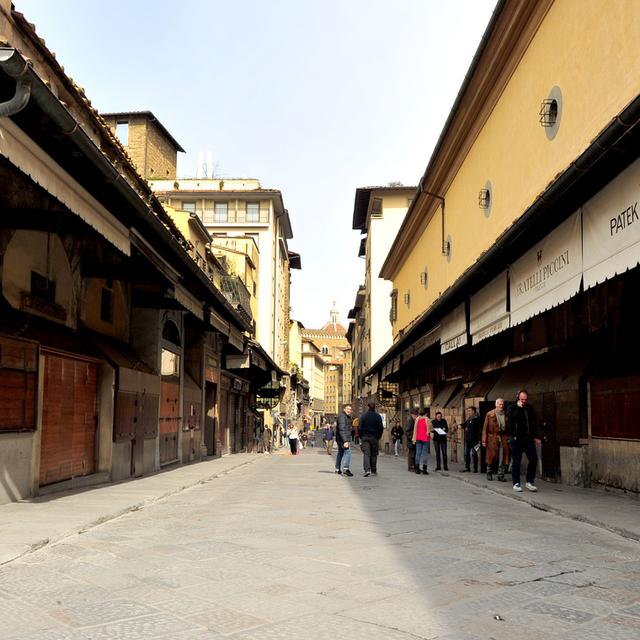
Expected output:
(15, 66)
(619, 127)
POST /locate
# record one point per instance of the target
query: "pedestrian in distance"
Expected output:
(439, 424)
(494, 437)
(343, 440)
(472, 435)
(411, 447)
(421, 438)
(370, 427)
(293, 436)
(327, 438)
(523, 436)
(396, 435)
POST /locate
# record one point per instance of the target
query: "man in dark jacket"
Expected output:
(472, 432)
(370, 428)
(411, 447)
(523, 433)
(343, 440)
(440, 440)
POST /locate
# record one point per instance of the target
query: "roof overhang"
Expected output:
(149, 116)
(611, 152)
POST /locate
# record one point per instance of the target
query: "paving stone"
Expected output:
(559, 612)
(406, 558)
(95, 613)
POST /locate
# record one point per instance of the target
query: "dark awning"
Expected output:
(444, 395)
(483, 385)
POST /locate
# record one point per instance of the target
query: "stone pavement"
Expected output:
(30, 524)
(284, 549)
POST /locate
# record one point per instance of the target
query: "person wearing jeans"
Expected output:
(370, 427)
(440, 440)
(343, 440)
(523, 432)
(421, 439)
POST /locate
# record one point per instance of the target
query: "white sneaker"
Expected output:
(517, 487)
(530, 486)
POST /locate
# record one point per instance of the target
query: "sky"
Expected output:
(313, 98)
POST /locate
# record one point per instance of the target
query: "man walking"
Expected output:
(370, 428)
(472, 435)
(343, 440)
(440, 430)
(494, 436)
(328, 438)
(523, 432)
(411, 447)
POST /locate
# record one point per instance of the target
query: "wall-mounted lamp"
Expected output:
(484, 198)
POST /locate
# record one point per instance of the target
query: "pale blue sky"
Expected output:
(313, 98)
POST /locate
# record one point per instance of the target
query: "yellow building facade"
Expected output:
(591, 52)
(517, 262)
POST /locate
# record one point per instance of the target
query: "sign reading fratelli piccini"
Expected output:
(549, 273)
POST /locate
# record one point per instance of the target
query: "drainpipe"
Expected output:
(23, 88)
(445, 245)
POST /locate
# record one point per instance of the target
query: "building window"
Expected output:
(207, 213)
(253, 212)
(222, 213)
(407, 298)
(189, 207)
(43, 288)
(393, 313)
(376, 207)
(122, 132)
(106, 305)
(551, 113)
(170, 365)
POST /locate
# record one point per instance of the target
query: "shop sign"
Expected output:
(611, 224)
(549, 273)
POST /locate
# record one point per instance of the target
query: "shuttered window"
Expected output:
(18, 369)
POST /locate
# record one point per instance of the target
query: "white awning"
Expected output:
(611, 228)
(219, 323)
(25, 154)
(549, 273)
(236, 338)
(453, 331)
(430, 338)
(189, 301)
(489, 314)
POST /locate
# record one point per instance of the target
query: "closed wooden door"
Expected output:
(169, 420)
(69, 419)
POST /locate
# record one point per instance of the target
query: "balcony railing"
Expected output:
(237, 294)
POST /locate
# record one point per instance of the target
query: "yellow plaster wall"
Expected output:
(591, 50)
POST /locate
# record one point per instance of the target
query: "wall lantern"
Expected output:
(484, 198)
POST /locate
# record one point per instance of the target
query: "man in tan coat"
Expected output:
(494, 436)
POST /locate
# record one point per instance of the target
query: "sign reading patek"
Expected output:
(611, 223)
(549, 273)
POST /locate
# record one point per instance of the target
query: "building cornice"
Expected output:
(506, 39)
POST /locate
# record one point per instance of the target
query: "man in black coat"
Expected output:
(440, 440)
(343, 440)
(472, 433)
(523, 433)
(370, 428)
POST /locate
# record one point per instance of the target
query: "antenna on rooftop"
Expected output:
(200, 164)
(209, 164)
